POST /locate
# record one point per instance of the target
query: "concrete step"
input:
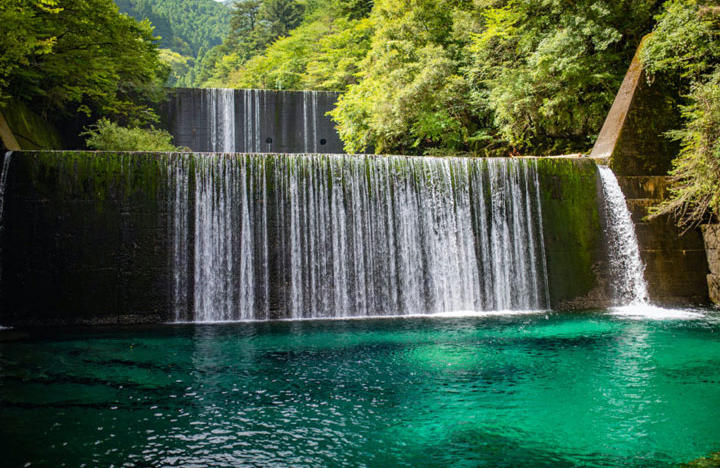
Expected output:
(644, 186)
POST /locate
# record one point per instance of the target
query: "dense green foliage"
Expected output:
(188, 29)
(108, 136)
(322, 53)
(685, 47)
(79, 56)
(184, 26)
(451, 76)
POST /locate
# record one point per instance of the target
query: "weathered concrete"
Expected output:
(265, 121)
(632, 138)
(84, 239)
(675, 264)
(30, 130)
(574, 245)
(633, 144)
(711, 237)
(8, 140)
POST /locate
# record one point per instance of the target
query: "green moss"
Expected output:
(31, 131)
(103, 177)
(573, 233)
(711, 461)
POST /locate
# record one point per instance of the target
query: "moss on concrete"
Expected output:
(88, 242)
(642, 147)
(632, 140)
(573, 233)
(31, 131)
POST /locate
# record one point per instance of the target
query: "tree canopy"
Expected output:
(79, 56)
(187, 27)
(685, 48)
(450, 76)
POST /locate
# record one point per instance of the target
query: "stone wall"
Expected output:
(711, 235)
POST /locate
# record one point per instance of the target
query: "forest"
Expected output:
(432, 77)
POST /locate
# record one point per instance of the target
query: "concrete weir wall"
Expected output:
(259, 121)
(85, 237)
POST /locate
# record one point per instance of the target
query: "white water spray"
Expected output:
(626, 266)
(3, 182)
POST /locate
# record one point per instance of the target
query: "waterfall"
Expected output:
(4, 171)
(304, 236)
(221, 115)
(252, 121)
(626, 267)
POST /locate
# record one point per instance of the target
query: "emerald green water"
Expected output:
(524, 390)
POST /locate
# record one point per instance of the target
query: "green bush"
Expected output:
(685, 48)
(109, 136)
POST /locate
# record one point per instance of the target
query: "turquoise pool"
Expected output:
(560, 389)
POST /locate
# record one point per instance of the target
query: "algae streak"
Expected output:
(573, 232)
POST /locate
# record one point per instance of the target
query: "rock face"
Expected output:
(711, 236)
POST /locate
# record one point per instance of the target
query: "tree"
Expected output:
(280, 16)
(87, 57)
(23, 37)
(685, 48)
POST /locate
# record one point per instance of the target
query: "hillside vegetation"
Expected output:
(443, 76)
(480, 77)
(187, 30)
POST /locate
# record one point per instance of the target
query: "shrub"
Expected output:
(109, 136)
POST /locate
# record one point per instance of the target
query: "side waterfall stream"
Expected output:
(626, 266)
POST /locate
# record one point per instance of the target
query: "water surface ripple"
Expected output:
(547, 389)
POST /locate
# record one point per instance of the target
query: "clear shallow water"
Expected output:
(524, 390)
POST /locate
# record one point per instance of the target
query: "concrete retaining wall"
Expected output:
(85, 237)
(265, 121)
(675, 262)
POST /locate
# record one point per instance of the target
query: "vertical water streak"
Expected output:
(256, 114)
(212, 103)
(314, 121)
(626, 266)
(178, 233)
(228, 120)
(355, 235)
(539, 222)
(221, 117)
(4, 171)
(306, 143)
